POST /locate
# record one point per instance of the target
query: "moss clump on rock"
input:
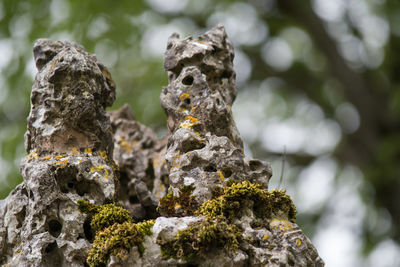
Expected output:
(184, 204)
(218, 230)
(229, 203)
(200, 238)
(116, 232)
(117, 240)
(104, 215)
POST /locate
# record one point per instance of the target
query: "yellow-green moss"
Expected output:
(178, 206)
(117, 240)
(104, 215)
(229, 203)
(116, 233)
(200, 238)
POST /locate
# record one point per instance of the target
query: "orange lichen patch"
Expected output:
(265, 237)
(100, 169)
(177, 206)
(124, 144)
(198, 134)
(202, 42)
(192, 110)
(280, 224)
(60, 156)
(88, 150)
(33, 155)
(62, 163)
(221, 176)
(184, 96)
(189, 122)
(74, 151)
(230, 108)
(54, 63)
(191, 119)
(48, 157)
(298, 242)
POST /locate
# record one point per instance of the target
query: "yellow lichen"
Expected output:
(281, 224)
(44, 158)
(62, 162)
(193, 109)
(60, 156)
(298, 242)
(191, 119)
(265, 237)
(74, 151)
(103, 154)
(124, 144)
(88, 150)
(33, 155)
(100, 169)
(221, 176)
(184, 96)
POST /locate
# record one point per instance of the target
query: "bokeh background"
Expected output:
(316, 78)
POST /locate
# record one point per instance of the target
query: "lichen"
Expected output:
(178, 206)
(117, 240)
(200, 238)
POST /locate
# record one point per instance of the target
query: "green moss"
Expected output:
(200, 238)
(116, 233)
(184, 204)
(104, 215)
(265, 204)
(117, 240)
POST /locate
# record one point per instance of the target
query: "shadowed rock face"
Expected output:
(204, 148)
(218, 210)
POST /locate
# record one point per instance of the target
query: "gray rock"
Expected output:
(204, 147)
(72, 144)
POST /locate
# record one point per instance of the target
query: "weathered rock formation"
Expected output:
(191, 199)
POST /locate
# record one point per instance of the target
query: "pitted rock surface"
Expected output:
(70, 146)
(204, 147)
(136, 150)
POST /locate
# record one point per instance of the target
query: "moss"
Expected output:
(116, 233)
(178, 206)
(265, 204)
(200, 238)
(117, 240)
(104, 215)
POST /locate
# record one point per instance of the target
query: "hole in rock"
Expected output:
(82, 188)
(50, 247)
(55, 228)
(169, 46)
(133, 199)
(210, 168)
(70, 185)
(227, 173)
(188, 80)
(255, 165)
(87, 229)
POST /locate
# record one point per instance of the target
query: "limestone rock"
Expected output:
(215, 205)
(204, 147)
(70, 145)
